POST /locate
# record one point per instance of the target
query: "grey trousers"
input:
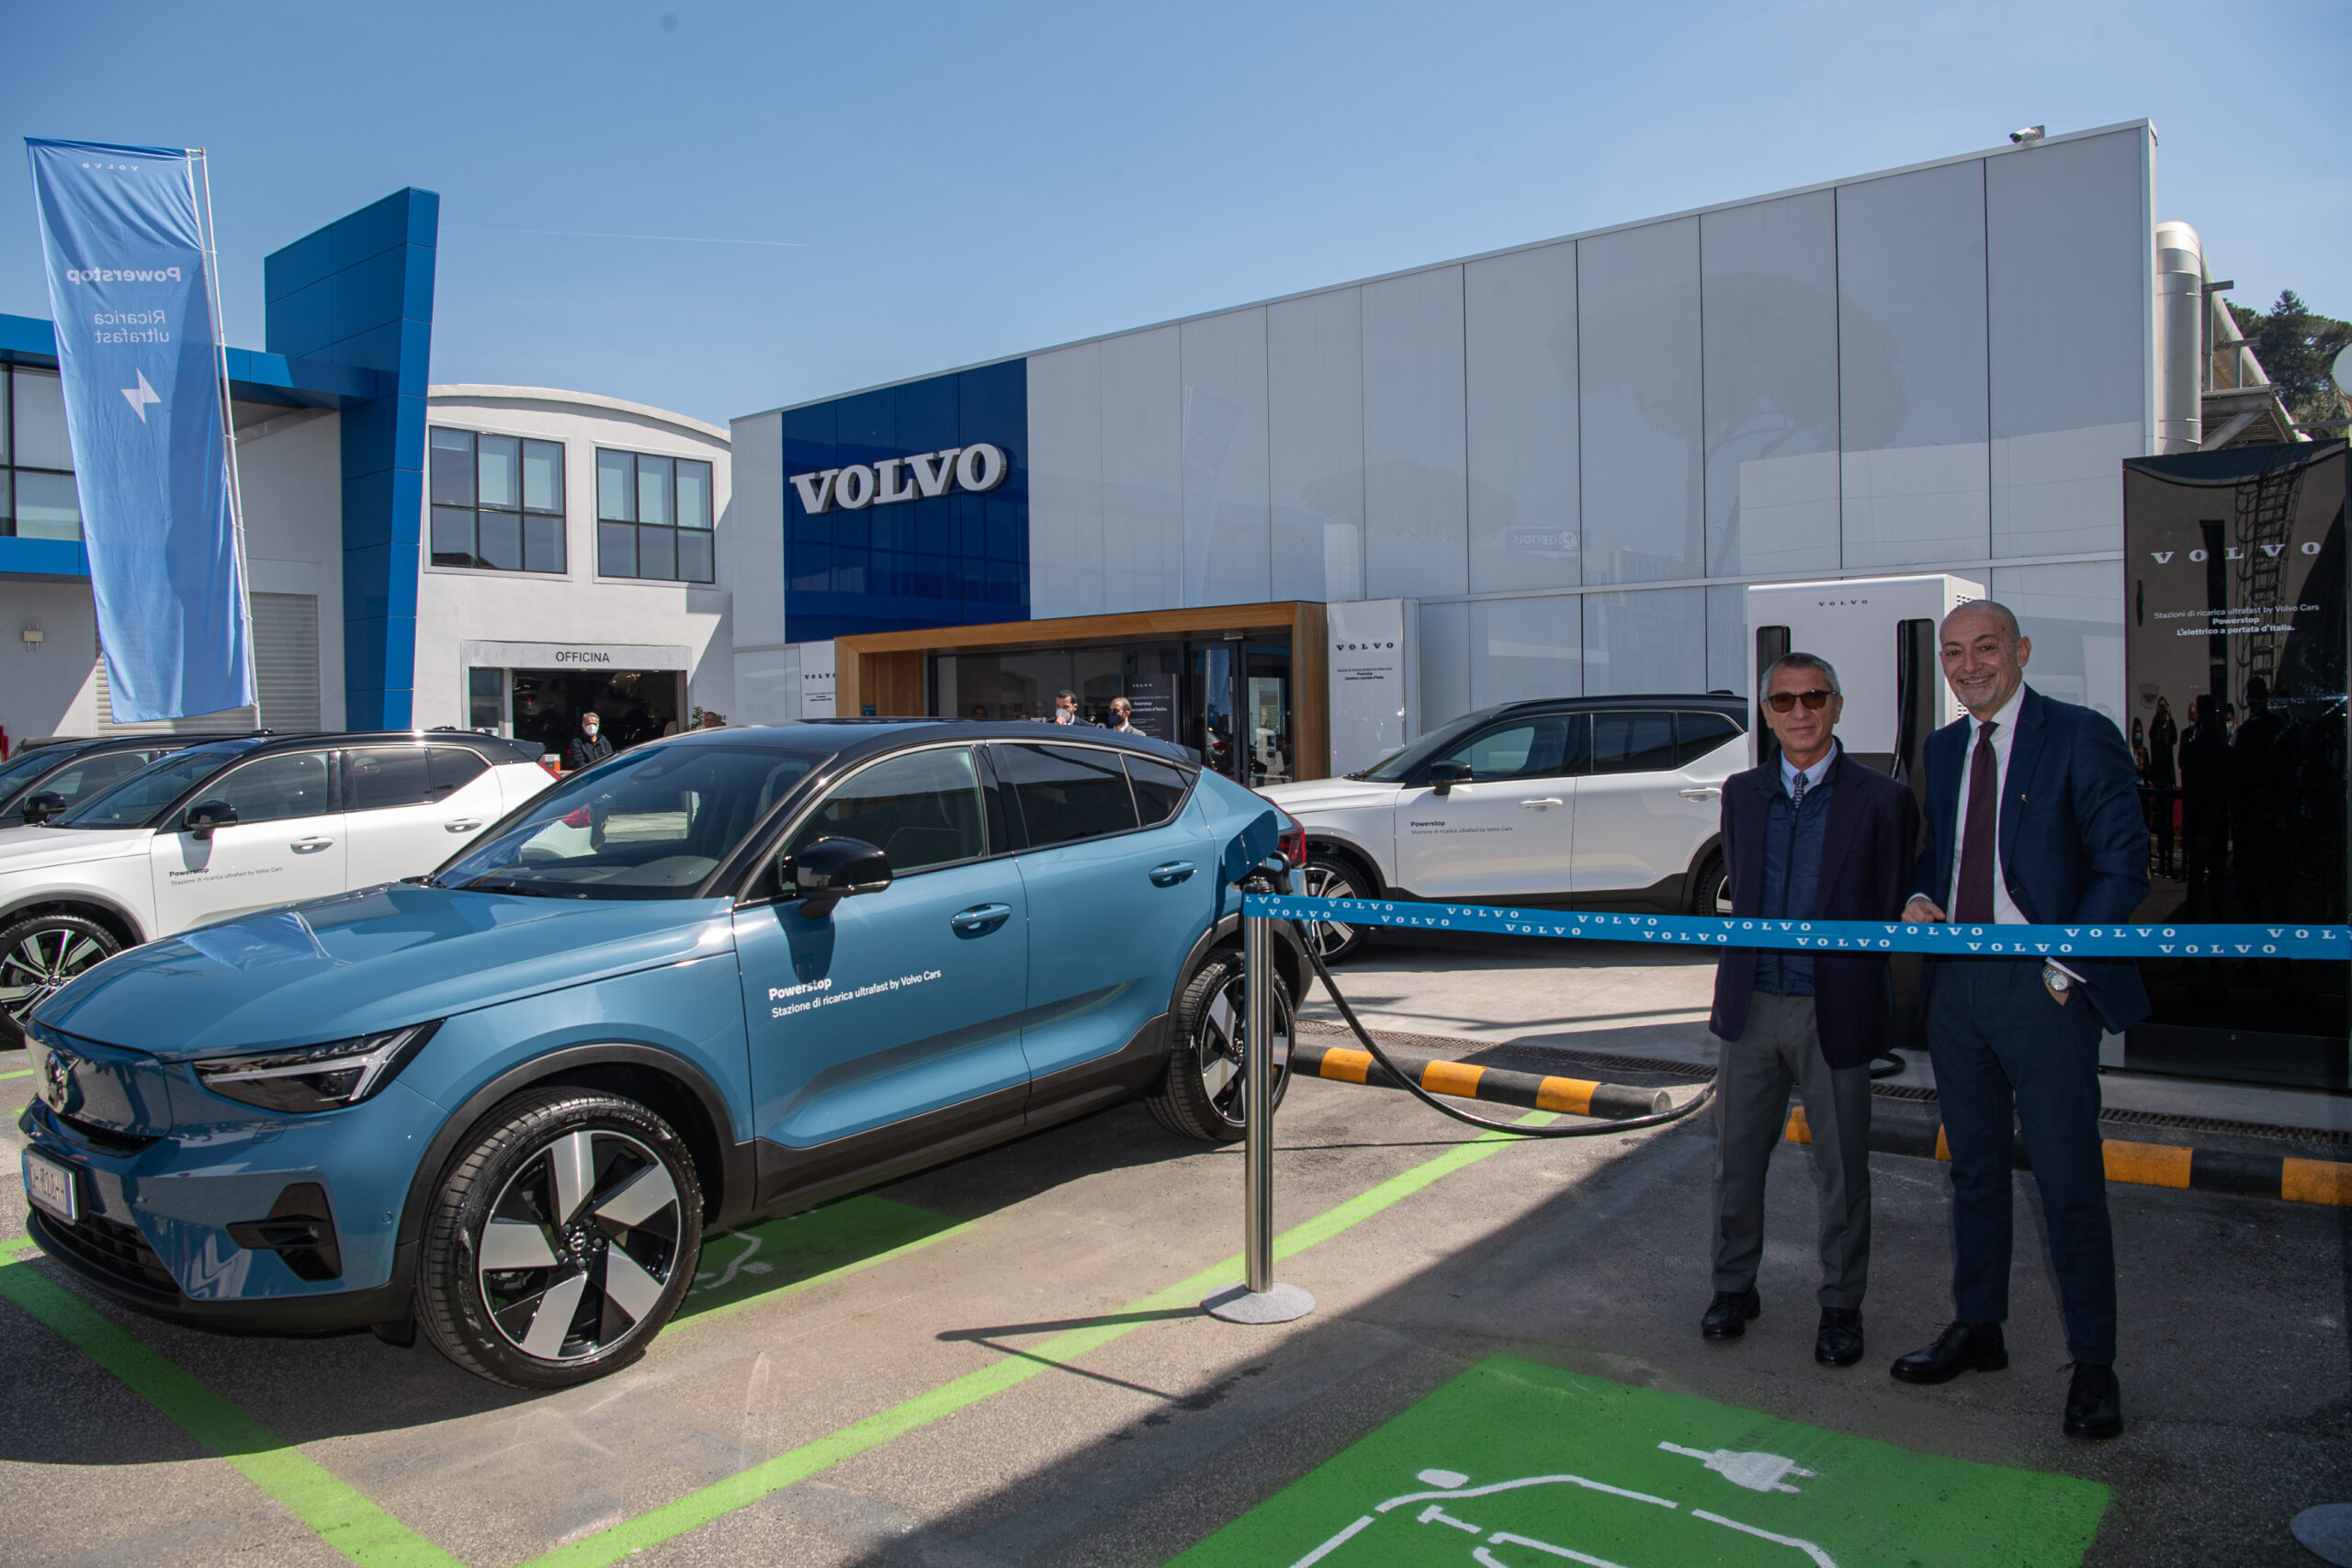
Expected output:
(1753, 1077)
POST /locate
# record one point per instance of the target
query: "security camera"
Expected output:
(2030, 133)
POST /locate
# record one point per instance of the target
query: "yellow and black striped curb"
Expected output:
(1500, 1086)
(2141, 1165)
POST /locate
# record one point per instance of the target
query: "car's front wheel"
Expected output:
(38, 955)
(1711, 889)
(1206, 1093)
(1329, 876)
(561, 1241)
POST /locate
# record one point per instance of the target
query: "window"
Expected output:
(653, 518)
(1633, 742)
(922, 810)
(1160, 789)
(1067, 792)
(38, 500)
(83, 780)
(386, 777)
(497, 502)
(1541, 746)
(271, 789)
(1696, 734)
(449, 769)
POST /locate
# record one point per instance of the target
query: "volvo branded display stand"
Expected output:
(2236, 661)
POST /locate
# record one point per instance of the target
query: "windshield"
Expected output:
(649, 824)
(29, 765)
(134, 801)
(1393, 768)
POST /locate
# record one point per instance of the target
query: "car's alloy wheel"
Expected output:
(563, 1241)
(1326, 877)
(1206, 1093)
(38, 956)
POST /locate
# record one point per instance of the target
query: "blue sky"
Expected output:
(933, 186)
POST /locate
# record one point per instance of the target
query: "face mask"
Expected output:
(592, 729)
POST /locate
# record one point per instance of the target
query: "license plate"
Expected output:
(51, 1186)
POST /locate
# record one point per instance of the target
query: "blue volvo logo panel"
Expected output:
(909, 506)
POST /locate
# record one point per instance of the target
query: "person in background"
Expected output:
(711, 720)
(2033, 819)
(1815, 835)
(1066, 707)
(979, 713)
(2164, 777)
(1123, 716)
(589, 747)
(2204, 811)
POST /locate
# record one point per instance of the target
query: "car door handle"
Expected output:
(301, 846)
(1175, 872)
(980, 918)
(463, 825)
(1542, 803)
(1701, 792)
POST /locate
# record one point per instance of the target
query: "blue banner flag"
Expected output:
(130, 293)
(2288, 939)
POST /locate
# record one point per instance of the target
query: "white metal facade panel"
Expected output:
(1445, 663)
(1645, 642)
(2074, 612)
(1518, 317)
(1143, 471)
(1228, 539)
(2067, 275)
(1643, 488)
(1315, 445)
(1912, 390)
(1526, 647)
(1770, 278)
(1416, 458)
(754, 524)
(1066, 482)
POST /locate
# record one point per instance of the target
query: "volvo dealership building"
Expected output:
(1551, 469)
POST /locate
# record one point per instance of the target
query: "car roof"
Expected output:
(494, 748)
(859, 737)
(85, 745)
(1734, 708)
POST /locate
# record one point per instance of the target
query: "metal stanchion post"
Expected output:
(1259, 1299)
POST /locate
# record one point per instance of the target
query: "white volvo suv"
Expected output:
(234, 826)
(1591, 803)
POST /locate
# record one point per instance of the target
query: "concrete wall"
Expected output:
(289, 471)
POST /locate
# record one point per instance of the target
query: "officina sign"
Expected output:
(922, 477)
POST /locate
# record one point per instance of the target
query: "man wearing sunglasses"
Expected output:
(2033, 819)
(1811, 835)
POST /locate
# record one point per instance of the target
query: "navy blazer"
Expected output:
(1866, 861)
(2074, 841)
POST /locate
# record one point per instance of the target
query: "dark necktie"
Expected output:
(1972, 896)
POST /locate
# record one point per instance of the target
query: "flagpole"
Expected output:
(228, 425)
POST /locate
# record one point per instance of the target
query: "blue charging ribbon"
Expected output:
(2283, 940)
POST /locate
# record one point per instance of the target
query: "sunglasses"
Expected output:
(1782, 702)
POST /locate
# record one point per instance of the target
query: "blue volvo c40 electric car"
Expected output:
(727, 975)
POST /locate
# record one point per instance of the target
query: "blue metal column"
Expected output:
(359, 292)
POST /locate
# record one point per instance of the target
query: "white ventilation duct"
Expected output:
(2180, 338)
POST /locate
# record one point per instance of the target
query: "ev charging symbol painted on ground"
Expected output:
(1553, 1467)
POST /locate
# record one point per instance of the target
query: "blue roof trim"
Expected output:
(253, 376)
(43, 557)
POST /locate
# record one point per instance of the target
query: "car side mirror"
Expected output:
(39, 808)
(205, 816)
(825, 872)
(1443, 777)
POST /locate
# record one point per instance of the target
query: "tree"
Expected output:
(2297, 347)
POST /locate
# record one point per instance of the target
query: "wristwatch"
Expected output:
(2055, 978)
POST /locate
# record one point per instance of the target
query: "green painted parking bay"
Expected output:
(1514, 1465)
(774, 1255)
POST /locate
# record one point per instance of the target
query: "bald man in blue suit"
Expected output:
(2033, 819)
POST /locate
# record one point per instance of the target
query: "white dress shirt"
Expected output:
(2005, 908)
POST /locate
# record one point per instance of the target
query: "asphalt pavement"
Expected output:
(999, 1362)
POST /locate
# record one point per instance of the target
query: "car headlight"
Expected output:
(315, 1077)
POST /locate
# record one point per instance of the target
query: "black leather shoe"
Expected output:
(1839, 1343)
(2094, 1403)
(1728, 1314)
(1963, 1348)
